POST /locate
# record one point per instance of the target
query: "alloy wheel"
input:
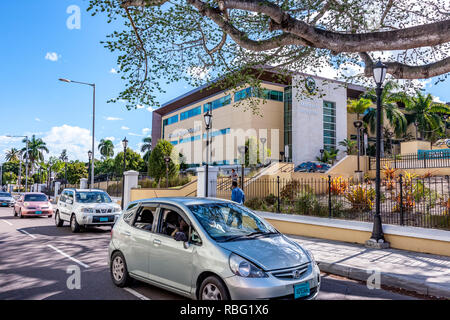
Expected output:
(118, 268)
(211, 292)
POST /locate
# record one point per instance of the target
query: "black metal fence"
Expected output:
(414, 161)
(405, 200)
(112, 184)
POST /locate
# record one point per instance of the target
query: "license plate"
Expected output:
(4, 204)
(301, 290)
(38, 212)
(103, 219)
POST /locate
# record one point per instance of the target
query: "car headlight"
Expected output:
(26, 204)
(244, 268)
(87, 210)
(116, 210)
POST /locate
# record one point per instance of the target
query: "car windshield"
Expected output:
(35, 198)
(5, 194)
(227, 221)
(93, 197)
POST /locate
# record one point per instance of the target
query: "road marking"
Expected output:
(136, 294)
(23, 231)
(7, 222)
(67, 256)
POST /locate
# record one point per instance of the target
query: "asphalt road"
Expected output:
(37, 260)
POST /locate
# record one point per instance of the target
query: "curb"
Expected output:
(387, 279)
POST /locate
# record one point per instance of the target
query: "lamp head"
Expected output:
(208, 119)
(125, 143)
(65, 80)
(263, 140)
(358, 124)
(167, 159)
(241, 149)
(90, 154)
(379, 72)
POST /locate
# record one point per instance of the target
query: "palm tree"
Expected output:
(348, 144)
(389, 109)
(106, 148)
(147, 148)
(358, 106)
(36, 148)
(328, 156)
(12, 155)
(426, 115)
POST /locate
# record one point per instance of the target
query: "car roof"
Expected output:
(84, 190)
(186, 201)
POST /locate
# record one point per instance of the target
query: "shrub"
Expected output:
(338, 185)
(254, 203)
(290, 190)
(446, 205)
(305, 203)
(360, 197)
(271, 199)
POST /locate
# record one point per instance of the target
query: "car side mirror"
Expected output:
(69, 201)
(186, 244)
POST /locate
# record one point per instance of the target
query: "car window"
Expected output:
(129, 213)
(35, 198)
(4, 194)
(62, 198)
(145, 217)
(173, 224)
(93, 197)
(69, 196)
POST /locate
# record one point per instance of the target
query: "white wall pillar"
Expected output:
(83, 183)
(212, 181)
(131, 181)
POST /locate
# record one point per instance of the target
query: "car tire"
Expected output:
(20, 214)
(58, 222)
(212, 288)
(74, 224)
(118, 270)
(15, 213)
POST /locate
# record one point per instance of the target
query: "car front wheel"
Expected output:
(74, 224)
(119, 271)
(212, 288)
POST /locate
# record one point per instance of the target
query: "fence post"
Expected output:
(424, 160)
(401, 199)
(329, 197)
(278, 192)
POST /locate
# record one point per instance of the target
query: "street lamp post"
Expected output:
(208, 123)
(282, 156)
(93, 121)
(167, 160)
(358, 124)
(65, 171)
(90, 182)
(379, 74)
(263, 141)
(125, 145)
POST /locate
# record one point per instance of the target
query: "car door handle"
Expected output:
(127, 233)
(157, 242)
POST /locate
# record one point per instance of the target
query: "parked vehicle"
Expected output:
(6, 199)
(33, 204)
(86, 208)
(311, 166)
(209, 249)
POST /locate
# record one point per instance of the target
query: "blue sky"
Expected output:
(38, 48)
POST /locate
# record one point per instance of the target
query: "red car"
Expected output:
(33, 204)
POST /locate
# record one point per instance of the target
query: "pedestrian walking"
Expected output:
(237, 195)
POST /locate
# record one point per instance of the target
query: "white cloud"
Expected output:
(124, 128)
(146, 130)
(110, 138)
(198, 73)
(52, 56)
(114, 71)
(113, 119)
(77, 141)
(438, 100)
(140, 106)
(134, 134)
(37, 119)
(150, 109)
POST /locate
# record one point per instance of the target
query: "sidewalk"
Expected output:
(419, 272)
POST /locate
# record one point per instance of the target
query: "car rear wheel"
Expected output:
(15, 213)
(119, 271)
(74, 224)
(212, 288)
(20, 214)
(58, 221)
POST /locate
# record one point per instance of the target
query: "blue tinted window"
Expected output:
(170, 120)
(217, 103)
(190, 113)
(242, 94)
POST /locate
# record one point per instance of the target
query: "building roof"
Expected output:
(209, 89)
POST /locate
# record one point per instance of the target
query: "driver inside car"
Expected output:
(180, 233)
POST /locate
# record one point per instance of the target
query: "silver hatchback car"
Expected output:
(209, 249)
